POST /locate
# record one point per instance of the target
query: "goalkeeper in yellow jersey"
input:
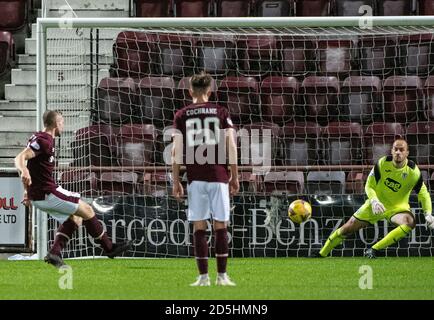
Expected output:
(388, 188)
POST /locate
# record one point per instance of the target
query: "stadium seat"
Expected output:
(312, 8)
(394, 7)
(82, 182)
(429, 97)
(157, 103)
(240, 96)
(343, 143)
(192, 8)
(278, 99)
(361, 99)
(233, 8)
(431, 182)
(257, 54)
(155, 183)
(175, 56)
(378, 139)
(263, 146)
(284, 182)
(136, 145)
(320, 98)
(426, 7)
(7, 52)
(14, 14)
(348, 8)
(133, 53)
(182, 94)
(273, 8)
(402, 97)
(152, 8)
(116, 99)
(377, 55)
(301, 144)
(325, 182)
(95, 146)
(216, 54)
(335, 57)
(118, 183)
(296, 55)
(249, 182)
(420, 137)
(355, 182)
(416, 55)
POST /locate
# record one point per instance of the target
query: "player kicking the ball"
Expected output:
(64, 206)
(388, 188)
(202, 129)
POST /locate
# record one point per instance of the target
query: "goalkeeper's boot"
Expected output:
(55, 260)
(201, 281)
(316, 254)
(223, 280)
(371, 253)
(119, 248)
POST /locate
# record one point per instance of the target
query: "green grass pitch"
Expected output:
(256, 278)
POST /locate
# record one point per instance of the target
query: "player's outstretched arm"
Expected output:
(20, 164)
(425, 199)
(370, 189)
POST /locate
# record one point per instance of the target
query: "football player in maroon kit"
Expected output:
(204, 132)
(64, 206)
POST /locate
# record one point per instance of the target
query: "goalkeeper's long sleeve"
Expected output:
(423, 197)
(371, 183)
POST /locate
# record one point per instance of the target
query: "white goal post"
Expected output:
(51, 91)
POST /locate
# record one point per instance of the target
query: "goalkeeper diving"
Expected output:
(388, 188)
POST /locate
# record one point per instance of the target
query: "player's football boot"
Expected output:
(224, 281)
(55, 260)
(370, 253)
(316, 254)
(201, 282)
(119, 248)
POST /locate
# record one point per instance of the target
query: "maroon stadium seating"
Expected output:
(182, 94)
(312, 8)
(420, 137)
(7, 52)
(216, 54)
(335, 57)
(348, 8)
(249, 182)
(394, 7)
(175, 55)
(301, 143)
(274, 8)
(13, 14)
(429, 97)
(118, 183)
(343, 143)
(402, 96)
(257, 54)
(155, 183)
(133, 54)
(416, 54)
(325, 182)
(157, 103)
(152, 8)
(297, 56)
(278, 98)
(355, 182)
(136, 145)
(192, 8)
(361, 98)
(233, 8)
(240, 96)
(95, 146)
(116, 99)
(426, 7)
(291, 182)
(320, 98)
(83, 182)
(378, 139)
(377, 55)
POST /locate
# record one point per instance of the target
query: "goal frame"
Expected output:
(43, 24)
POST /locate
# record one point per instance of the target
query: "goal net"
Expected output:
(314, 107)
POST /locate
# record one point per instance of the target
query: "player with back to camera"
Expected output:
(388, 188)
(204, 125)
(64, 206)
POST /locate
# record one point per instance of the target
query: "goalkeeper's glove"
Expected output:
(377, 206)
(429, 221)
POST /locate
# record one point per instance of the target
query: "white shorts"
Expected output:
(206, 199)
(60, 204)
